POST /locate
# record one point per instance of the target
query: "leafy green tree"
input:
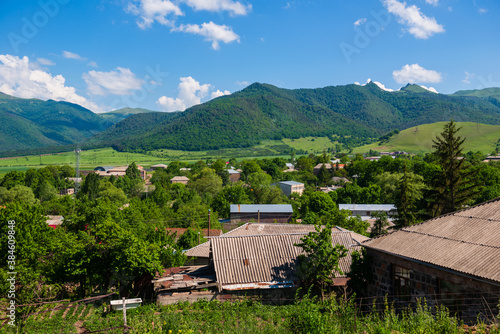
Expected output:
(324, 176)
(161, 178)
(12, 179)
(161, 196)
(17, 193)
(114, 194)
(133, 172)
(454, 186)
(207, 184)
(232, 194)
(90, 186)
(320, 263)
(360, 274)
(188, 240)
(46, 191)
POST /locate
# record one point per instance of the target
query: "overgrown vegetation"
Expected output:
(305, 315)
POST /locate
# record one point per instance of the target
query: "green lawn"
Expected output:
(479, 137)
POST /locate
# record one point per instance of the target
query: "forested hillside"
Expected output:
(262, 111)
(33, 123)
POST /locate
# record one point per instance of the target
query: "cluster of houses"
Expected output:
(453, 260)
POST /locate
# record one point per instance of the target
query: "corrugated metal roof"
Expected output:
(203, 250)
(291, 183)
(266, 258)
(367, 207)
(467, 241)
(263, 208)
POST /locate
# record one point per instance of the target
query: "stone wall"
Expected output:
(466, 296)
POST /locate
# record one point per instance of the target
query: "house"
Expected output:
(54, 221)
(340, 181)
(492, 158)
(366, 211)
(328, 189)
(201, 253)
(372, 158)
(329, 167)
(66, 191)
(262, 265)
(289, 187)
(234, 176)
(281, 213)
(103, 168)
(453, 260)
(159, 166)
(179, 179)
(117, 171)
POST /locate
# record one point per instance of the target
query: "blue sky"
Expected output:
(169, 55)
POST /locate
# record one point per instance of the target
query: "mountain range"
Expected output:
(263, 111)
(242, 119)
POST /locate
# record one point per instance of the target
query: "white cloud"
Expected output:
(150, 11)
(190, 94)
(17, 78)
(233, 7)
(415, 74)
(71, 55)
(242, 83)
(418, 24)
(430, 89)
(212, 32)
(432, 2)
(218, 93)
(45, 62)
(92, 64)
(380, 85)
(360, 21)
(468, 76)
(119, 82)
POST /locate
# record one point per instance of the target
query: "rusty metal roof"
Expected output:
(466, 241)
(203, 249)
(266, 258)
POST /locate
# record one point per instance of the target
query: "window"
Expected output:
(402, 282)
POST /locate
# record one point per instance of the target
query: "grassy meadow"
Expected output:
(418, 139)
(89, 159)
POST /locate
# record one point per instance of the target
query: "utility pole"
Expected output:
(208, 234)
(77, 181)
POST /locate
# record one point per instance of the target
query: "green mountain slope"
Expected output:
(33, 123)
(418, 139)
(263, 111)
(119, 115)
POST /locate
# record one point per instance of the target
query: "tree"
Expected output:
(133, 172)
(208, 184)
(380, 225)
(321, 261)
(454, 187)
(409, 191)
(90, 186)
(12, 179)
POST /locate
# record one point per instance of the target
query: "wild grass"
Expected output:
(307, 315)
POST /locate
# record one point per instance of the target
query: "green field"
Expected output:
(479, 137)
(89, 159)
